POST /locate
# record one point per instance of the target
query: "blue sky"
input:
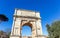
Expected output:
(49, 11)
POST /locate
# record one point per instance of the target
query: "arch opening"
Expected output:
(26, 29)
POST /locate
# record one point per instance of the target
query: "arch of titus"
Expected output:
(26, 17)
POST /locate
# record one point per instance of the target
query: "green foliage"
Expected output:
(3, 18)
(54, 29)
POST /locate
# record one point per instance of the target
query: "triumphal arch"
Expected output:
(26, 17)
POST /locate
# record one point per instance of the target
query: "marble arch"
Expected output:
(31, 18)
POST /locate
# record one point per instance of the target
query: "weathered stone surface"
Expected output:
(26, 17)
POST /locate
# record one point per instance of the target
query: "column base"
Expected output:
(41, 36)
(14, 36)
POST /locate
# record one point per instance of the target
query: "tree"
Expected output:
(3, 34)
(3, 18)
(54, 29)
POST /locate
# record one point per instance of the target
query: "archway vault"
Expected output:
(28, 24)
(26, 17)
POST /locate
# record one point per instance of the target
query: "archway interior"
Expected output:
(26, 29)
